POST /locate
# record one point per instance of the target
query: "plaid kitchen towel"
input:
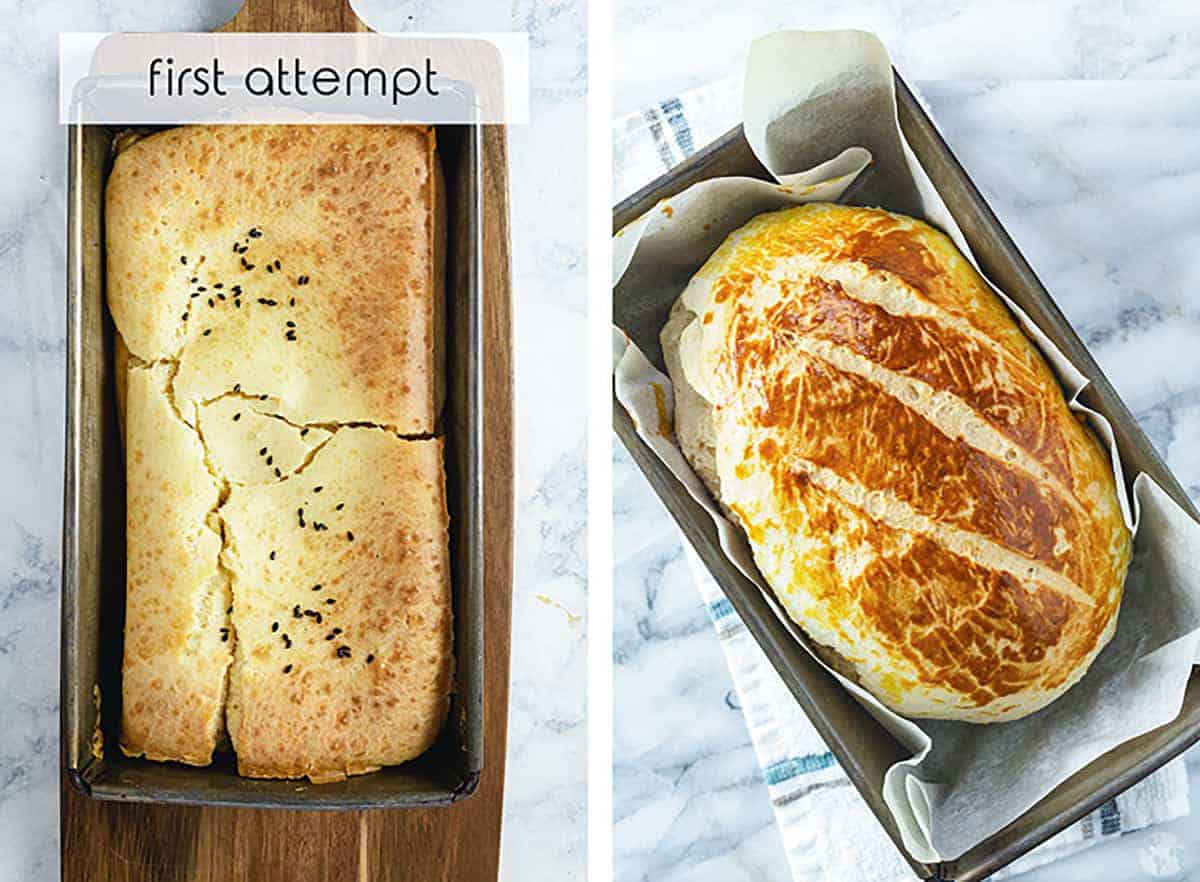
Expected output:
(828, 832)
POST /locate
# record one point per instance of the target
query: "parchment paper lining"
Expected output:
(810, 96)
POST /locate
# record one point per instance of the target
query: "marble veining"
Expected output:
(543, 831)
(664, 48)
(1099, 184)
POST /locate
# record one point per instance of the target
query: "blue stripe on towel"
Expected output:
(1110, 818)
(654, 124)
(777, 773)
(720, 609)
(672, 109)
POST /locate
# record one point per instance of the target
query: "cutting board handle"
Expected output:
(295, 16)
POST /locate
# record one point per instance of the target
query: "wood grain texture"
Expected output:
(118, 842)
(295, 16)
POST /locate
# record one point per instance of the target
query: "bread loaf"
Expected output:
(277, 297)
(913, 485)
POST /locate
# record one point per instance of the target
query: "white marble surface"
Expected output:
(1099, 183)
(664, 47)
(544, 809)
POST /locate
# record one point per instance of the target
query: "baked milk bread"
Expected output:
(277, 296)
(912, 483)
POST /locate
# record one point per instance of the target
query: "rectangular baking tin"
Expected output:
(863, 748)
(94, 526)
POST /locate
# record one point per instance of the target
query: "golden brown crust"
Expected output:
(277, 376)
(349, 214)
(912, 482)
(341, 610)
(173, 675)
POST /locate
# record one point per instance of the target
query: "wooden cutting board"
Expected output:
(113, 842)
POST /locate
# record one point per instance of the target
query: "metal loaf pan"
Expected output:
(93, 590)
(863, 748)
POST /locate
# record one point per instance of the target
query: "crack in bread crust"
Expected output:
(887, 509)
(159, 654)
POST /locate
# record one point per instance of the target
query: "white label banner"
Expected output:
(133, 79)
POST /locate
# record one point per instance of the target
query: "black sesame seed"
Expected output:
(193, 280)
(270, 459)
(262, 451)
(318, 488)
(370, 658)
(292, 301)
(211, 304)
(236, 417)
(343, 652)
(272, 555)
(290, 324)
(236, 289)
(287, 669)
(274, 627)
(183, 260)
(349, 535)
(221, 297)
(185, 315)
(229, 611)
(262, 397)
(337, 631)
(331, 600)
(237, 387)
(330, 636)
(339, 506)
(194, 295)
(219, 285)
(255, 232)
(270, 268)
(278, 474)
(296, 611)
(207, 331)
(238, 304)
(267, 302)
(303, 432)
(201, 288)
(316, 587)
(277, 264)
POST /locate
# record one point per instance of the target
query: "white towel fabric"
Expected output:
(828, 832)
